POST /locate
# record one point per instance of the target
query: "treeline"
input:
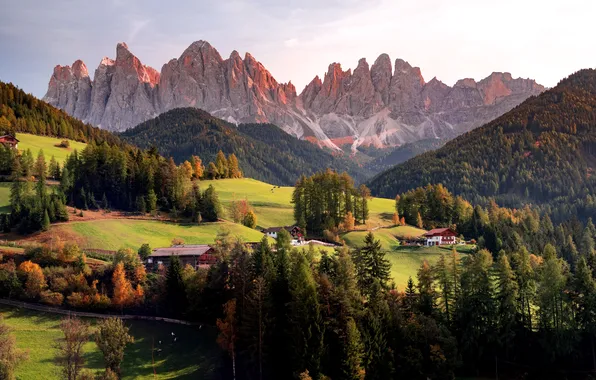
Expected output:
(496, 228)
(33, 208)
(21, 112)
(108, 177)
(265, 152)
(323, 200)
(539, 153)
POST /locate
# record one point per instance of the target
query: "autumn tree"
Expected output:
(112, 337)
(227, 332)
(123, 293)
(395, 219)
(221, 163)
(233, 167)
(349, 221)
(71, 353)
(36, 281)
(197, 166)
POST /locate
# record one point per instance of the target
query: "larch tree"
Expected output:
(221, 163)
(228, 332)
(71, 353)
(123, 293)
(198, 168)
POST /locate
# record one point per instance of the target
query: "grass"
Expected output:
(113, 234)
(387, 236)
(195, 354)
(4, 197)
(405, 261)
(273, 204)
(48, 144)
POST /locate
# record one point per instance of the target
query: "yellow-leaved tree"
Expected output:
(123, 293)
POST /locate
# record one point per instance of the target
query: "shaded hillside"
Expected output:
(265, 152)
(402, 153)
(542, 152)
(22, 112)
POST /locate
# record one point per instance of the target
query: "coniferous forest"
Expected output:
(540, 153)
(265, 152)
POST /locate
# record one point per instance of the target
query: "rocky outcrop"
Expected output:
(379, 104)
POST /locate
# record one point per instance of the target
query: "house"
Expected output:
(440, 236)
(9, 141)
(295, 232)
(194, 255)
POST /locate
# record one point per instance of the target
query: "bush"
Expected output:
(51, 298)
(64, 144)
(78, 300)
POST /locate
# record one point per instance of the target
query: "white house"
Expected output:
(440, 236)
(294, 231)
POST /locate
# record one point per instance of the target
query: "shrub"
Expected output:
(78, 300)
(64, 144)
(59, 284)
(51, 298)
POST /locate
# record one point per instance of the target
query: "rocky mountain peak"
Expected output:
(79, 69)
(380, 104)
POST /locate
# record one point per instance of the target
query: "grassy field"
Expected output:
(48, 144)
(405, 261)
(112, 234)
(194, 355)
(4, 197)
(273, 204)
(387, 236)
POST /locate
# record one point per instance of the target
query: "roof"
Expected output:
(439, 231)
(181, 250)
(8, 137)
(277, 229)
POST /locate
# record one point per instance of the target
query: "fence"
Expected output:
(55, 310)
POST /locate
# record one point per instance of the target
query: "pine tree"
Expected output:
(426, 290)
(228, 332)
(352, 367)
(507, 306)
(419, 222)
(371, 264)
(45, 225)
(524, 273)
(175, 289)
(444, 280)
(306, 323)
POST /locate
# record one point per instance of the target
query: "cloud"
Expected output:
(292, 42)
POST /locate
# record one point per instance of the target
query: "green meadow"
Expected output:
(194, 355)
(48, 144)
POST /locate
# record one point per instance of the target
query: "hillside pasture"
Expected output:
(49, 145)
(273, 204)
(113, 234)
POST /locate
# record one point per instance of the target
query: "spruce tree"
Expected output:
(175, 289)
(371, 264)
(507, 303)
(45, 225)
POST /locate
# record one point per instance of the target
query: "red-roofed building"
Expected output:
(10, 141)
(193, 255)
(440, 236)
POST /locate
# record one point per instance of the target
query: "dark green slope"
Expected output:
(542, 152)
(265, 152)
(22, 112)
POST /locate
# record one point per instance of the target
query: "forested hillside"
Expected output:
(264, 151)
(402, 153)
(21, 112)
(542, 152)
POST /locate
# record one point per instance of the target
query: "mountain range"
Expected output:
(380, 105)
(543, 152)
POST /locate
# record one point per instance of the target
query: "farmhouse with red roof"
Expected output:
(440, 236)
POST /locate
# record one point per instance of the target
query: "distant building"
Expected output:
(295, 232)
(193, 255)
(10, 141)
(440, 236)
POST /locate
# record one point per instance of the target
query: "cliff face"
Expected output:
(371, 105)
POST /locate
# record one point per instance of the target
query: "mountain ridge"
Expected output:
(380, 105)
(543, 152)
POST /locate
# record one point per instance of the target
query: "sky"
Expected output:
(545, 40)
